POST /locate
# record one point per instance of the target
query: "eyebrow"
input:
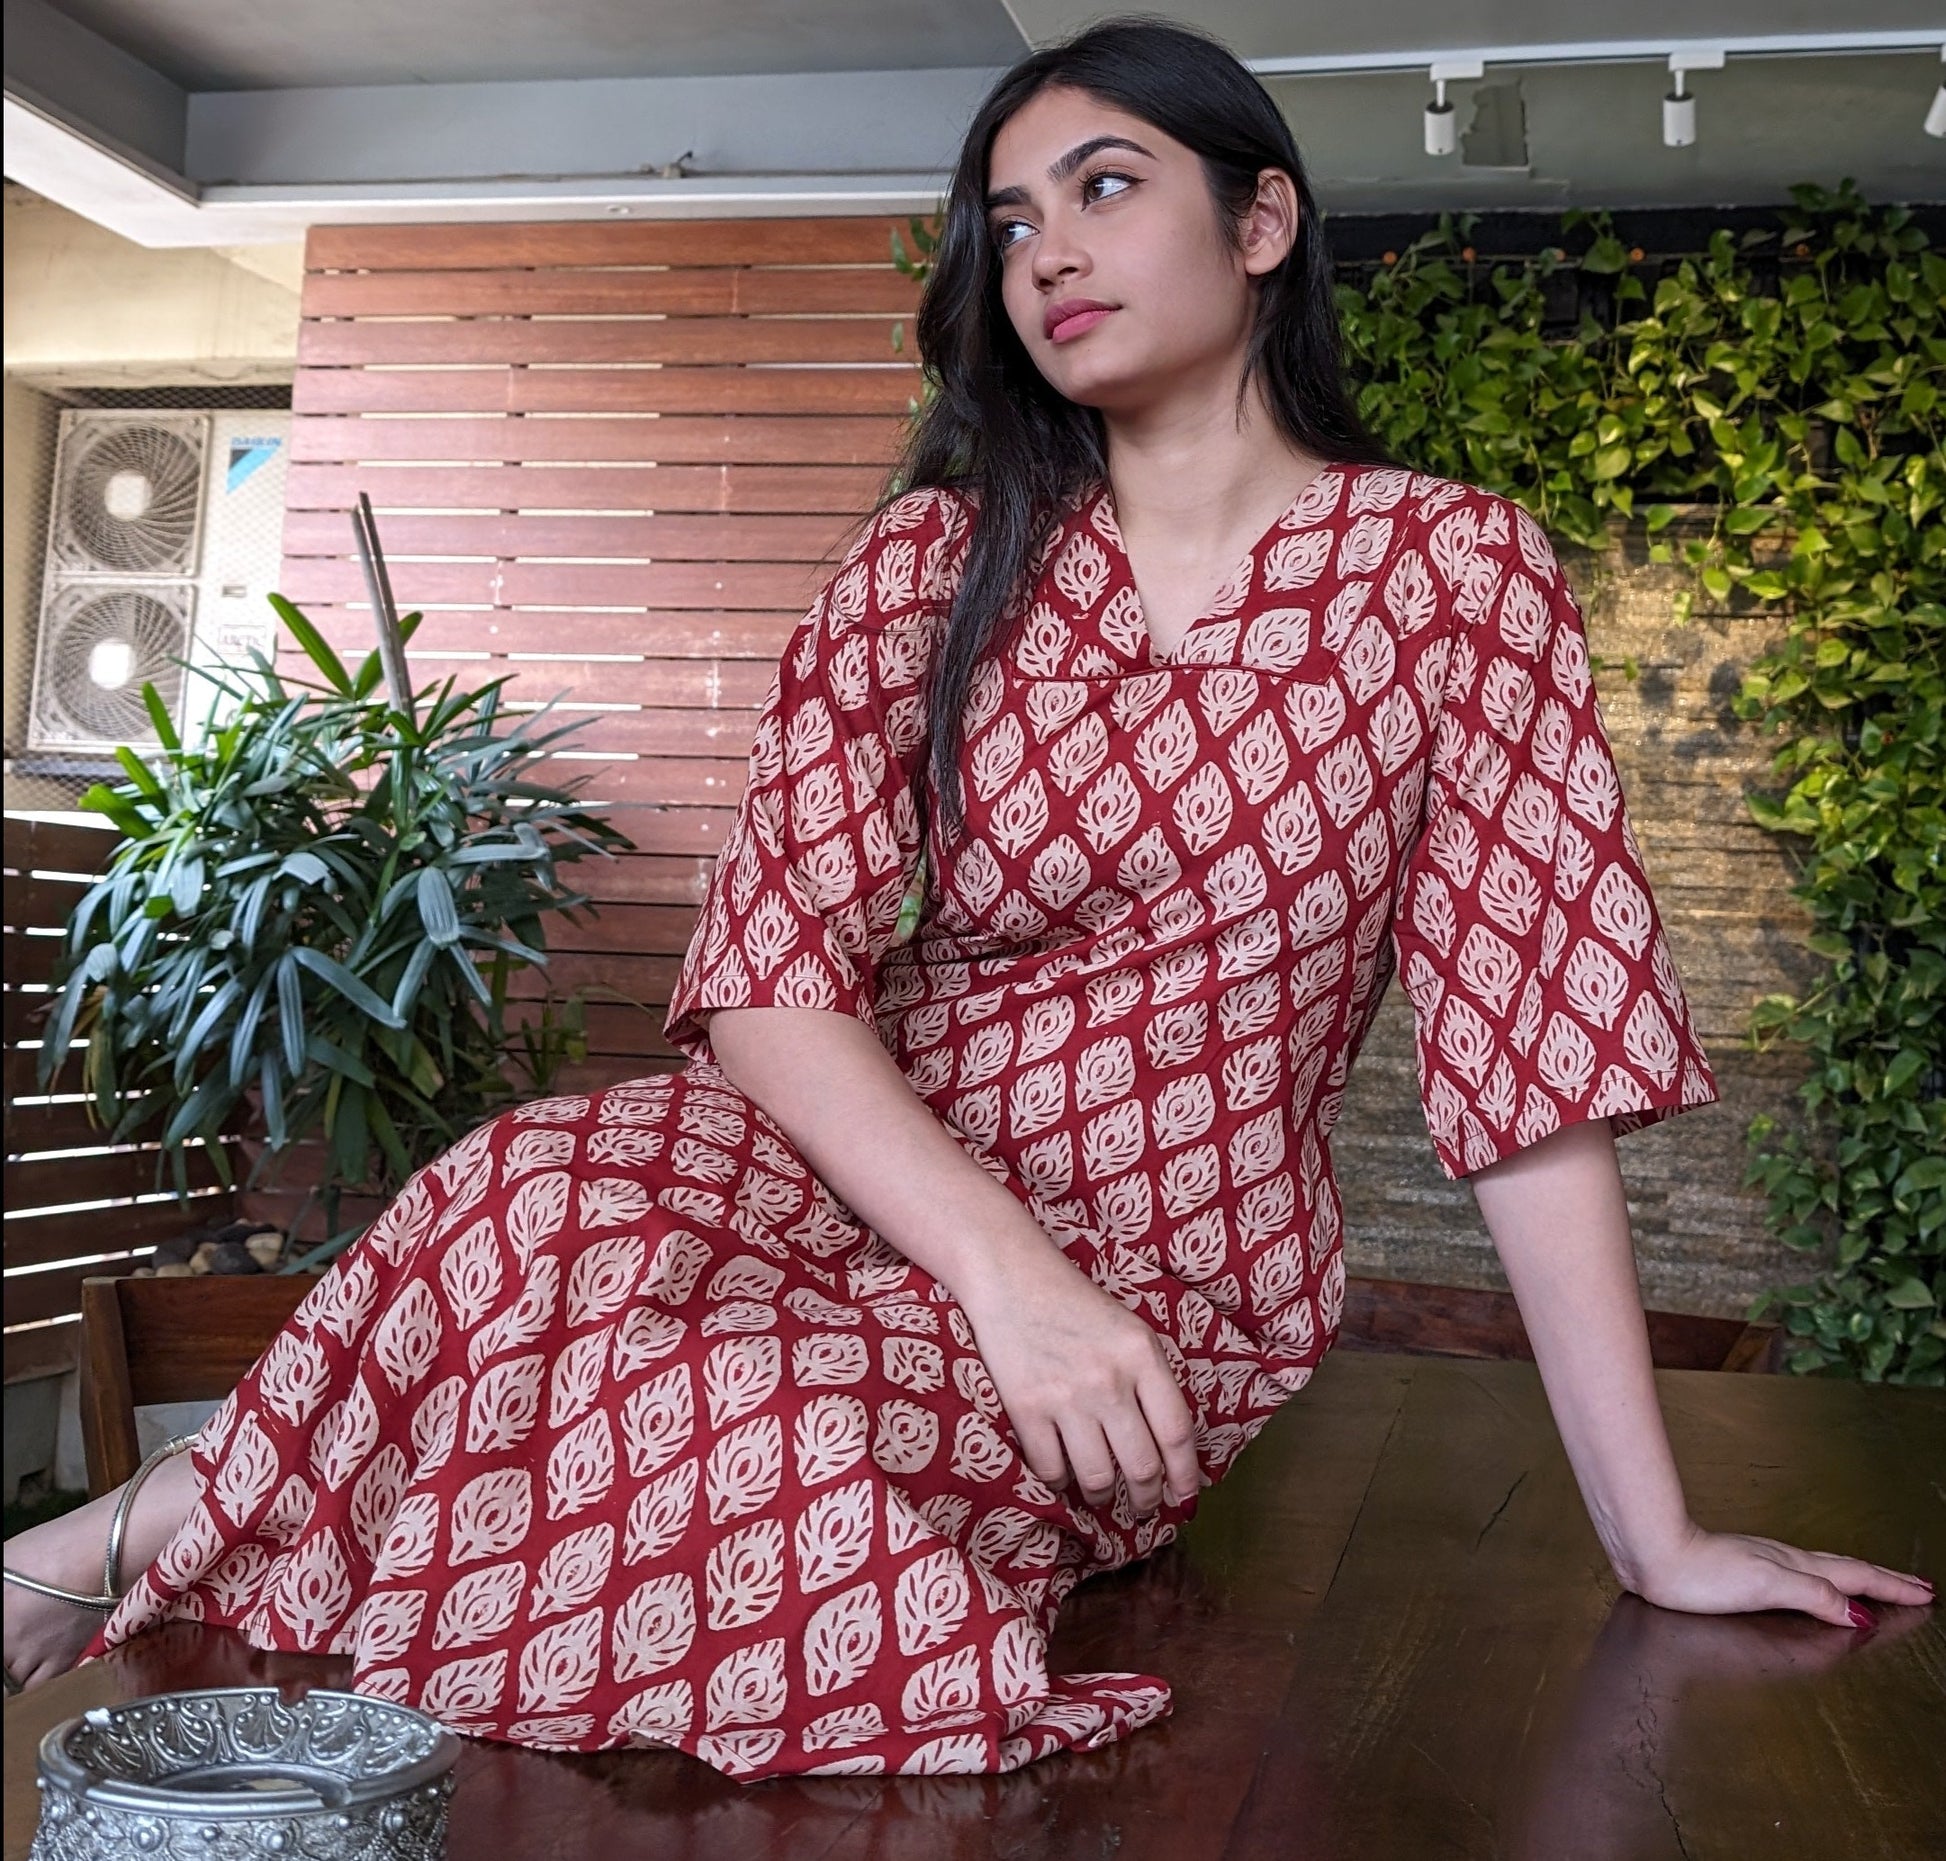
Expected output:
(1060, 170)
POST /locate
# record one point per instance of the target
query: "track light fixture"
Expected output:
(1678, 107)
(1442, 138)
(1442, 131)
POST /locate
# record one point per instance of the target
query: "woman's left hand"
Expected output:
(1724, 1572)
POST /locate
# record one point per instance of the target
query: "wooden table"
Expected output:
(1391, 1632)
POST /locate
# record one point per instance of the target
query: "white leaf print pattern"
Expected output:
(1137, 968)
(655, 1627)
(746, 1469)
(480, 1605)
(560, 1665)
(841, 1641)
(739, 1375)
(829, 1437)
(834, 1535)
(745, 1574)
(660, 1514)
(572, 1572)
(931, 1601)
(747, 1687)
(581, 1467)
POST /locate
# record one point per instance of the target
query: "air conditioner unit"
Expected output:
(165, 540)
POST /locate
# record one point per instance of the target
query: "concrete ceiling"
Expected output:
(222, 45)
(233, 122)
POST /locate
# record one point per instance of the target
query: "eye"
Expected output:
(1002, 232)
(1100, 175)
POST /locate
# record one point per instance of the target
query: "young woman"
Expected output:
(771, 1409)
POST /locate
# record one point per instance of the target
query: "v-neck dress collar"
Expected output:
(1321, 541)
(1314, 506)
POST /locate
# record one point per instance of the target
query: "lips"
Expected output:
(1072, 316)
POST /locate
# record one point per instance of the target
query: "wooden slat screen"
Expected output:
(614, 461)
(75, 1206)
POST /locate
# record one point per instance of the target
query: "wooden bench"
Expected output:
(192, 1340)
(1391, 1632)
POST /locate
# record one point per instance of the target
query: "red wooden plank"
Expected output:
(37, 902)
(837, 239)
(865, 292)
(32, 1297)
(645, 878)
(635, 790)
(24, 1012)
(681, 341)
(56, 846)
(843, 490)
(673, 439)
(639, 929)
(32, 1238)
(30, 957)
(500, 389)
(658, 731)
(668, 633)
(764, 538)
(603, 1070)
(32, 1125)
(888, 388)
(763, 585)
(43, 1350)
(21, 1076)
(778, 293)
(701, 684)
(614, 1029)
(52, 1182)
(638, 977)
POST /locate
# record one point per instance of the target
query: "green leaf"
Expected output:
(305, 867)
(290, 1012)
(270, 1087)
(139, 773)
(407, 993)
(1927, 1173)
(336, 976)
(334, 1058)
(1909, 1295)
(243, 1037)
(191, 1048)
(165, 730)
(186, 885)
(98, 799)
(315, 647)
(437, 911)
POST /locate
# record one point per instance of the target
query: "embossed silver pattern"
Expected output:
(227, 1773)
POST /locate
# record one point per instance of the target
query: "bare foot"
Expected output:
(45, 1637)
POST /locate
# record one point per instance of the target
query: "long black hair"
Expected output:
(994, 426)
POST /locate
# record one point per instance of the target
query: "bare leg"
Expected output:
(44, 1636)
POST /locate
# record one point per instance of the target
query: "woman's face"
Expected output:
(1088, 205)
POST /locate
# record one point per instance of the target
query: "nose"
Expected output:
(1058, 253)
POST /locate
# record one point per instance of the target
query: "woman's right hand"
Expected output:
(1086, 1383)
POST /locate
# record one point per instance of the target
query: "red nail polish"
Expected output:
(1861, 1617)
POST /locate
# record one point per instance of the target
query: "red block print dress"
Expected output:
(619, 1428)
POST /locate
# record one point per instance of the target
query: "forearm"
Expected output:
(878, 1146)
(1559, 1220)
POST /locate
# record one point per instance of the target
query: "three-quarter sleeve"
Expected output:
(804, 898)
(1527, 936)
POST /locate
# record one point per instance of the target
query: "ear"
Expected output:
(1270, 227)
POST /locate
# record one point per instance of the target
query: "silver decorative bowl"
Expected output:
(234, 1772)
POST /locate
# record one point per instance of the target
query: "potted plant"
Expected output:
(313, 922)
